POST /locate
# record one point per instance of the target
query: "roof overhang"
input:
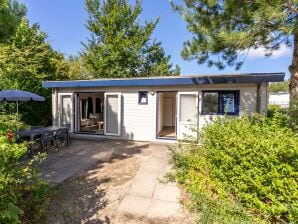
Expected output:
(170, 80)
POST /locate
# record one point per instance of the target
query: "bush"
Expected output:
(21, 191)
(279, 114)
(250, 161)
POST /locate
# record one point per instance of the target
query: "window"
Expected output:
(220, 102)
(210, 100)
(143, 97)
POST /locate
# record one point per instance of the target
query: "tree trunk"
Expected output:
(293, 86)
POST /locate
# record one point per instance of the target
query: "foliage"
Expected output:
(21, 191)
(11, 12)
(251, 161)
(221, 30)
(223, 36)
(25, 62)
(77, 70)
(119, 45)
(282, 114)
(279, 86)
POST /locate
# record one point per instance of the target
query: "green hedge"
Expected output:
(21, 191)
(253, 161)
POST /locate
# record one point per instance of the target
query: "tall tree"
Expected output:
(119, 45)
(279, 86)
(223, 30)
(25, 62)
(11, 13)
(77, 69)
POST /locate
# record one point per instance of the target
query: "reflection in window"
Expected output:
(220, 102)
(143, 97)
(210, 102)
(228, 103)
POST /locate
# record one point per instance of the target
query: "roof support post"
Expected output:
(259, 98)
(55, 114)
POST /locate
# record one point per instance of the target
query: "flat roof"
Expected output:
(170, 80)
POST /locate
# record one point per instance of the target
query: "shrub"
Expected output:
(21, 191)
(251, 161)
(281, 115)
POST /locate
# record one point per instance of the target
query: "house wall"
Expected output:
(139, 121)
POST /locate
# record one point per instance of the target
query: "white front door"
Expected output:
(66, 111)
(112, 112)
(187, 111)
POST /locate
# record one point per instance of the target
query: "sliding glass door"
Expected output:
(112, 114)
(66, 110)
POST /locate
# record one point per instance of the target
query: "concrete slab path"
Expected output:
(80, 154)
(148, 196)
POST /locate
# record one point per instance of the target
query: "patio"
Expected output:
(112, 182)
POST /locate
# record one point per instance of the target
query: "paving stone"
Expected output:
(160, 151)
(155, 165)
(143, 187)
(135, 205)
(166, 192)
(163, 209)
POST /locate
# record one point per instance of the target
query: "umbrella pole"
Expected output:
(17, 115)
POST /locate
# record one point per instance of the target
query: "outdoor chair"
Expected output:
(61, 136)
(46, 140)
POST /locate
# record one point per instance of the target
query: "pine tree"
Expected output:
(223, 30)
(119, 45)
(11, 13)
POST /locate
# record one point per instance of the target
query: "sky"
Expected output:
(64, 22)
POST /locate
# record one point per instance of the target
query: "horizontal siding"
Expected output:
(139, 121)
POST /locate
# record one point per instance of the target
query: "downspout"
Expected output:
(258, 109)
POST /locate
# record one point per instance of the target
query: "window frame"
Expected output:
(220, 102)
(139, 97)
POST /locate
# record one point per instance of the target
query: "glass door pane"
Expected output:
(188, 114)
(112, 114)
(66, 109)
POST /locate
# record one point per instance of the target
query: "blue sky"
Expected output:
(63, 21)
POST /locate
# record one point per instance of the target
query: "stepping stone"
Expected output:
(163, 209)
(135, 205)
(144, 184)
(167, 192)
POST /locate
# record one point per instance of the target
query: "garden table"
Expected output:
(31, 134)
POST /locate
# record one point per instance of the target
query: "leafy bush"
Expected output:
(21, 191)
(275, 112)
(250, 161)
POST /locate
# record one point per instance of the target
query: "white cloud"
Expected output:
(283, 51)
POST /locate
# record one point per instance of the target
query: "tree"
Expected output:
(119, 45)
(25, 62)
(11, 13)
(77, 69)
(223, 30)
(279, 86)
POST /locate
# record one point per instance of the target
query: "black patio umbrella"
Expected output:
(19, 96)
